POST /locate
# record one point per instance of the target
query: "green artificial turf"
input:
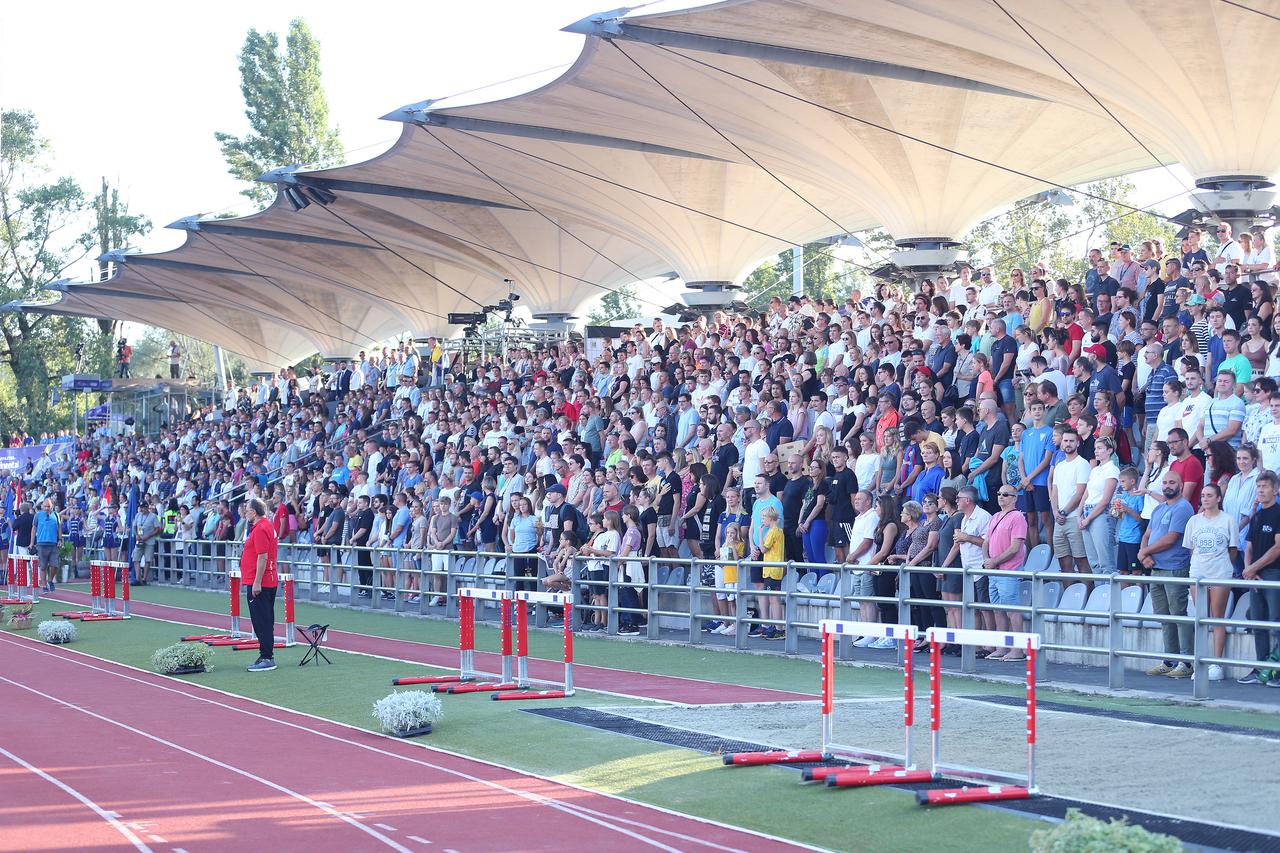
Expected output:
(767, 799)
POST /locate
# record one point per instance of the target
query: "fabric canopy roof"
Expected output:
(703, 140)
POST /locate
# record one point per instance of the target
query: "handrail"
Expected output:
(331, 575)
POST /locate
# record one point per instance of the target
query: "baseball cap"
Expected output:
(556, 488)
(1196, 299)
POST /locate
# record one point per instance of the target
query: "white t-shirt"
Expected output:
(1096, 489)
(1208, 539)
(1191, 411)
(975, 525)
(1229, 252)
(864, 527)
(1066, 475)
(756, 451)
(1269, 446)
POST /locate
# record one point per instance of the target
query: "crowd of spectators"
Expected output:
(1130, 421)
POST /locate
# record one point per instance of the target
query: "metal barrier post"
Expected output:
(741, 630)
(695, 620)
(1115, 637)
(611, 596)
(844, 645)
(450, 585)
(1037, 618)
(904, 592)
(1200, 644)
(652, 629)
(791, 640)
(968, 653)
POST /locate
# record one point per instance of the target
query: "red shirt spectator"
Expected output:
(1191, 470)
(261, 540)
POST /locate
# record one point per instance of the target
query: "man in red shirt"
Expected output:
(258, 574)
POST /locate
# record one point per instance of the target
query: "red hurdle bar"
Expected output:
(1000, 784)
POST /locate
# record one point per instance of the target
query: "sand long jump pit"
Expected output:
(1198, 773)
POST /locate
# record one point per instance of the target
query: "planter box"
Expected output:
(420, 730)
(187, 670)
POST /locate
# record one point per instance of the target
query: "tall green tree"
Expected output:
(619, 303)
(286, 107)
(43, 232)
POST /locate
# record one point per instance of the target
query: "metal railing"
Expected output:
(672, 596)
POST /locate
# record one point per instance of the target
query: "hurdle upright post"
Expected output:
(287, 581)
(95, 586)
(233, 581)
(993, 784)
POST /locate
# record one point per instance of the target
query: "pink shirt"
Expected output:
(1001, 531)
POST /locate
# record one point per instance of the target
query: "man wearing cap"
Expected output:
(1125, 269)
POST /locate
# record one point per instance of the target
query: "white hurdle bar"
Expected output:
(906, 634)
(1000, 785)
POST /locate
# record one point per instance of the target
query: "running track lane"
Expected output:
(666, 688)
(204, 770)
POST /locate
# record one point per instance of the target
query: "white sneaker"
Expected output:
(725, 629)
(863, 642)
(1216, 673)
(882, 643)
(438, 601)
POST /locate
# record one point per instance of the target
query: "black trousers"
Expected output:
(262, 613)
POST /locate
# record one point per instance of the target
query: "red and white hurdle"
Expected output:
(884, 767)
(513, 681)
(1001, 785)
(239, 640)
(105, 607)
(21, 580)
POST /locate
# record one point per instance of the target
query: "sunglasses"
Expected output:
(1007, 494)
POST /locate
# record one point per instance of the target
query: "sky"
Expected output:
(134, 92)
(137, 96)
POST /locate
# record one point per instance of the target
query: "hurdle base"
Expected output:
(204, 638)
(754, 759)
(74, 614)
(250, 646)
(512, 695)
(427, 679)
(819, 774)
(12, 601)
(986, 794)
(104, 617)
(882, 776)
(229, 641)
(474, 688)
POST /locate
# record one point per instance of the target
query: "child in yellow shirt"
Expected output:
(773, 550)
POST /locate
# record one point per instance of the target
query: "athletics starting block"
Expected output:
(1000, 785)
(885, 767)
(512, 682)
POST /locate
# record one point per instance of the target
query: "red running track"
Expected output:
(179, 766)
(666, 688)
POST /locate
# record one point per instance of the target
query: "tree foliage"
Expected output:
(47, 225)
(620, 303)
(286, 107)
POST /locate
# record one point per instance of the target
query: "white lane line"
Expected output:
(179, 850)
(418, 838)
(157, 839)
(109, 817)
(209, 759)
(565, 808)
(385, 828)
(82, 659)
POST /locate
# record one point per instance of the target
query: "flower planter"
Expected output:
(420, 730)
(186, 670)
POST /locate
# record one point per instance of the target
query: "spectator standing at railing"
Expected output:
(1165, 555)
(968, 540)
(1096, 520)
(1005, 549)
(1262, 563)
(1211, 537)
